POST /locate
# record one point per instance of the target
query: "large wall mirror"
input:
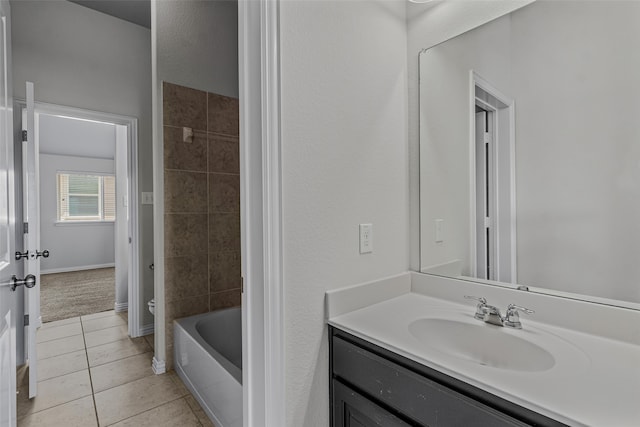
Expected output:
(530, 152)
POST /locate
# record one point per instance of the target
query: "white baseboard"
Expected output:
(158, 366)
(121, 306)
(147, 329)
(79, 268)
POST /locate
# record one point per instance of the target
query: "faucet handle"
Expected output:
(481, 300)
(512, 317)
(481, 308)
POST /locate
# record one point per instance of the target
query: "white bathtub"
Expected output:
(208, 358)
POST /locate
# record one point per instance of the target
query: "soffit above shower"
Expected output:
(135, 11)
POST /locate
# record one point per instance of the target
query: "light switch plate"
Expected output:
(366, 238)
(147, 197)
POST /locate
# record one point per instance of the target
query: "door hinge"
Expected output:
(26, 320)
(487, 137)
(24, 136)
(25, 228)
(242, 285)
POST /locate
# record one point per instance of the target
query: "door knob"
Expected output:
(43, 254)
(29, 281)
(20, 255)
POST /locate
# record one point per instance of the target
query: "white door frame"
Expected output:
(504, 139)
(263, 313)
(131, 123)
(9, 309)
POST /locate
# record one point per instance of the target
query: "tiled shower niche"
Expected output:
(202, 204)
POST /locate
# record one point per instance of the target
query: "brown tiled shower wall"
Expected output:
(202, 204)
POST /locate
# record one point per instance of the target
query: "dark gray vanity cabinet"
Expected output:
(371, 386)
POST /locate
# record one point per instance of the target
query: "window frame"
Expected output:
(97, 219)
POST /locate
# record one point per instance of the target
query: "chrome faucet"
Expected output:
(481, 308)
(491, 314)
(512, 318)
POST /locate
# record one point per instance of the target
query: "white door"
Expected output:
(8, 263)
(485, 205)
(31, 209)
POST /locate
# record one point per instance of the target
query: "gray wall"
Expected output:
(198, 44)
(344, 162)
(577, 147)
(82, 58)
(72, 246)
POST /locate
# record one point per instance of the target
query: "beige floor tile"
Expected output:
(105, 336)
(197, 409)
(62, 322)
(124, 315)
(57, 332)
(128, 400)
(60, 346)
(61, 365)
(121, 371)
(116, 350)
(99, 315)
(54, 392)
(172, 414)
(101, 323)
(180, 387)
(78, 413)
(150, 340)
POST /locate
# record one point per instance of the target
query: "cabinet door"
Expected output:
(351, 409)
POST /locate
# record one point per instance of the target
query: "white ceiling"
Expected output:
(73, 137)
(136, 11)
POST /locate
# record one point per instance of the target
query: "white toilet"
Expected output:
(152, 306)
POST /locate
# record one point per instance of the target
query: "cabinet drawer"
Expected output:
(418, 398)
(351, 409)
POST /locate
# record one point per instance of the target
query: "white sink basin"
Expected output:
(482, 343)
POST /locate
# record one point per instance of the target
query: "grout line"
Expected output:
(155, 407)
(129, 381)
(61, 354)
(51, 407)
(93, 394)
(59, 338)
(61, 375)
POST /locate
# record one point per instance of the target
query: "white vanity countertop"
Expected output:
(595, 380)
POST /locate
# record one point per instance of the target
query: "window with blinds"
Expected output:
(86, 197)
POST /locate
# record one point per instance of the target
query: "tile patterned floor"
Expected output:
(92, 374)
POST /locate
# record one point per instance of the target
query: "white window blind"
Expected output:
(86, 197)
(109, 197)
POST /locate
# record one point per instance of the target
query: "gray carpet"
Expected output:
(77, 293)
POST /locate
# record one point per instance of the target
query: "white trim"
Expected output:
(158, 366)
(477, 81)
(473, 241)
(275, 414)
(82, 223)
(77, 268)
(135, 290)
(147, 329)
(261, 216)
(514, 186)
(160, 349)
(119, 307)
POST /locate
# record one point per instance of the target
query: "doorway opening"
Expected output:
(493, 213)
(87, 164)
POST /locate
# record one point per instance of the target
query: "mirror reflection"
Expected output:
(530, 151)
